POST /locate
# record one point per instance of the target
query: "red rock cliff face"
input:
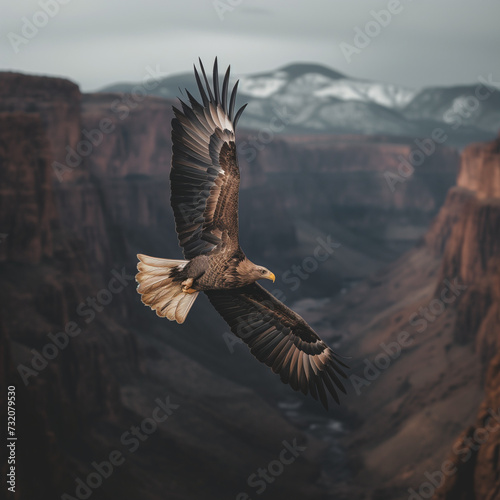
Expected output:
(366, 161)
(472, 253)
(475, 238)
(56, 101)
(44, 277)
(413, 394)
(468, 233)
(136, 142)
(480, 172)
(26, 198)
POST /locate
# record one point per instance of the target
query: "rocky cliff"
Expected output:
(44, 278)
(424, 335)
(54, 100)
(27, 211)
(472, 243)
(473, 251)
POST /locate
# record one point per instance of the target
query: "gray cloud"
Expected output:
(95, 43)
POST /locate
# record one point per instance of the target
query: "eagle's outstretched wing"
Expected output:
(280, 338)
(205, 177)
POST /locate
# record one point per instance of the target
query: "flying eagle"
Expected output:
(205, 181)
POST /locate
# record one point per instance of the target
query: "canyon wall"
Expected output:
(473, 253)
(423, 333)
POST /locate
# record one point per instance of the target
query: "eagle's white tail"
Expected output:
(159, 291)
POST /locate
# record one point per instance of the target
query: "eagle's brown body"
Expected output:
(218, 272)
(205, 180)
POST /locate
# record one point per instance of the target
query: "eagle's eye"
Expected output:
(262, 271)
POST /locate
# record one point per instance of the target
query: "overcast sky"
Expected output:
(97, 42)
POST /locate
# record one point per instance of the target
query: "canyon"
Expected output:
(84, 188)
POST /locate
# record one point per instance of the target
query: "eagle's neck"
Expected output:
(244, 272)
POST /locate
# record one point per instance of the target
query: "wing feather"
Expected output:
(233, 100)
(205, 177)
(281, 339)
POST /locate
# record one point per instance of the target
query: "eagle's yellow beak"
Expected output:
(271, 277)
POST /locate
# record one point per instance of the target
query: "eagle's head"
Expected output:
(250, 272)
(261, 272)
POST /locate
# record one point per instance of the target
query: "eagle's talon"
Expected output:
(187, 283)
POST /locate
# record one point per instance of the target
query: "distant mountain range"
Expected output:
(310, 98)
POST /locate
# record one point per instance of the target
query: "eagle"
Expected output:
(205, 181)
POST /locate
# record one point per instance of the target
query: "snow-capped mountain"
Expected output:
(474, 105)
(321, 82)
(310, 98)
